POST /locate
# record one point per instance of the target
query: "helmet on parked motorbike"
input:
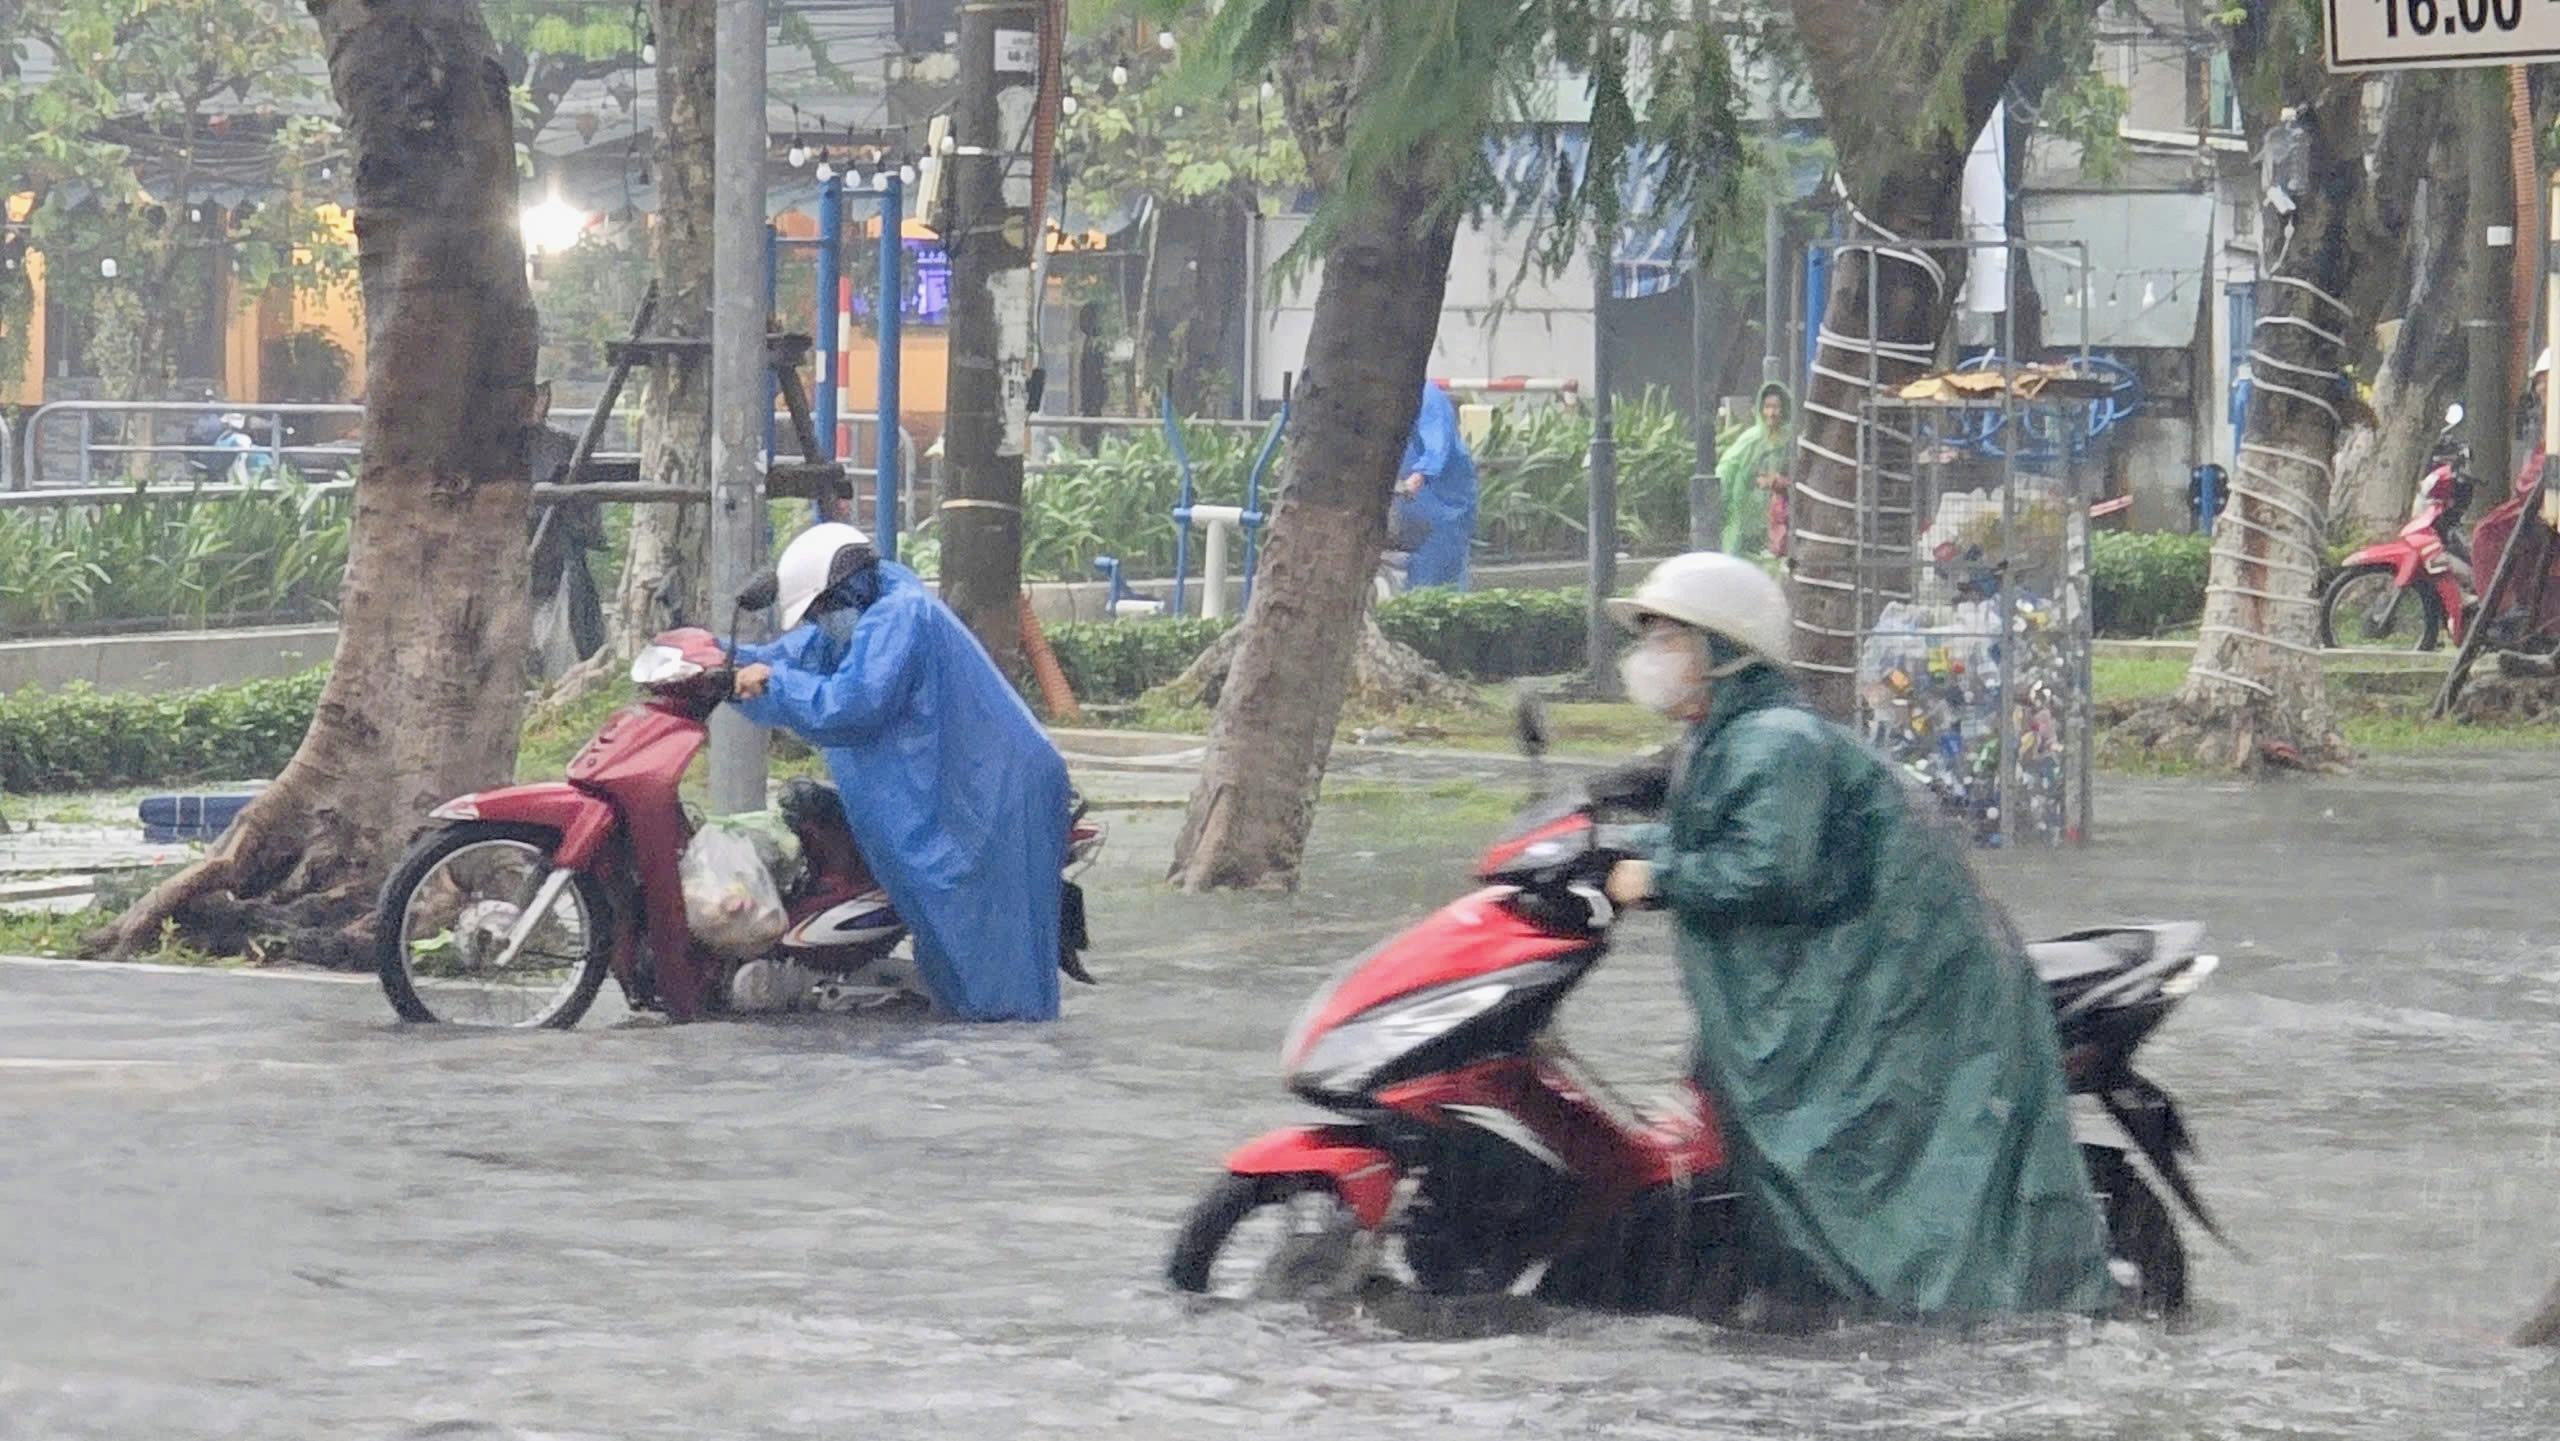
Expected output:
(2542, 362)
(1722, 595)
(817, 561)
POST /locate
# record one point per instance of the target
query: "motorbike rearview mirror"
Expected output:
(761, 592)
(2453, 415)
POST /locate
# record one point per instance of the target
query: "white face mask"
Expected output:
(1662, 676)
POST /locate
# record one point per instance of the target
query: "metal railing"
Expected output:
(27, 471)
(339, 455)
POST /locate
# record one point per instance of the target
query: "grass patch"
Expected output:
(57, 934)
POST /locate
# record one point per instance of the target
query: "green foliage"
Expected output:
(1409, 92)
(1119, 501)
(1110, 662)
(2142, 583)
(81, 739)
(172, 86)
(281, 549)
(2089, 111)
(1159, 136)
(587, 295)
(1492, 634)
(1533, 489)
(1482, 635)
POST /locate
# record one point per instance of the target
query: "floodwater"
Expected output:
(243, 1207)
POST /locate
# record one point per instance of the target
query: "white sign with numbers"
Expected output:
(2410, 34)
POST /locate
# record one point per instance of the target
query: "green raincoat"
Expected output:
(1882, 1055)
(1742, 453)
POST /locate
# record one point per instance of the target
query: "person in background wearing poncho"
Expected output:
(1880, 1052)
(954, 795)
(1751, 468)
(1434, 515)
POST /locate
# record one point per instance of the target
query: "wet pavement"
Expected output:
(247, 1207)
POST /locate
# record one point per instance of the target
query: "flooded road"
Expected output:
(247, 1207)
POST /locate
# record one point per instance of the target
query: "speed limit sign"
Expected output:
(2410, 34)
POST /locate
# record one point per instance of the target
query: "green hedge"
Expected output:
(1492, 634)
(1110, 661)
(1481, 635)
(2144, 583)
(78, 738)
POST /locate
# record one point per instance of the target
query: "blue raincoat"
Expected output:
(955, 795)
(1445, 508)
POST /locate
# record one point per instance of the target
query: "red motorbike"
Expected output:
(2410, 590)
(1478, 1158)
(515, 909)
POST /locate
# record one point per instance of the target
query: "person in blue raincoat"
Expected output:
(958, 801)
(1435, 508)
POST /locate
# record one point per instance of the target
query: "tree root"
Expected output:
(2509, 699)
(1386, 677)
(2246, 740)
(218, 905)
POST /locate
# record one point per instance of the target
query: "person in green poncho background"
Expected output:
(1751, 465)
(1878, 1048)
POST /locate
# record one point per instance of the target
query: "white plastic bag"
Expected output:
(730, 900)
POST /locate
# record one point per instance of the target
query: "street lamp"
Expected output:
(552, 226)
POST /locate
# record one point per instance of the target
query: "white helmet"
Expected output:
(2542, 362)
(813, 564)
(1720, 594)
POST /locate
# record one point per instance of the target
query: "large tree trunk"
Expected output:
(427, 686)
(1376, 314)
(2425, 368)
(1876, 67)
(2254, 693)
(1194, 304)
(1368, 351)
(662, 578)
(662, 584)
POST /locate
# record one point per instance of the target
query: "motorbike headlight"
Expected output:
(662, 665)
(1343, 1059)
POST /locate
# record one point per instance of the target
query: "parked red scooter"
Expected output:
(514, 910)
(1477, 1157)
(2410, 590)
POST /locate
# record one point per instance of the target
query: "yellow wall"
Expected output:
(30, 389)
(254, 321)
(339, 310)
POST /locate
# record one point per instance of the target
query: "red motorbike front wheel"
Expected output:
(2366, 607)
(1263, 1236)
(476, 927)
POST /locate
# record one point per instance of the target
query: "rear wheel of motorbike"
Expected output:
(449, 910)
(2143, 1248)
(2365, 606)
(1265, 1236)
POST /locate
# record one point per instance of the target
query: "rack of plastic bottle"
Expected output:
(1973, 603)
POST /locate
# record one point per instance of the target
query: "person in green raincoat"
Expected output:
(1751, 465)
(1880, 1052)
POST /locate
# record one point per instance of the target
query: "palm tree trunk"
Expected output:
(1881, 69)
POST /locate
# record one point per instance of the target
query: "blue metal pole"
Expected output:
(1252, 517)
(890, 310)
(829, 325)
